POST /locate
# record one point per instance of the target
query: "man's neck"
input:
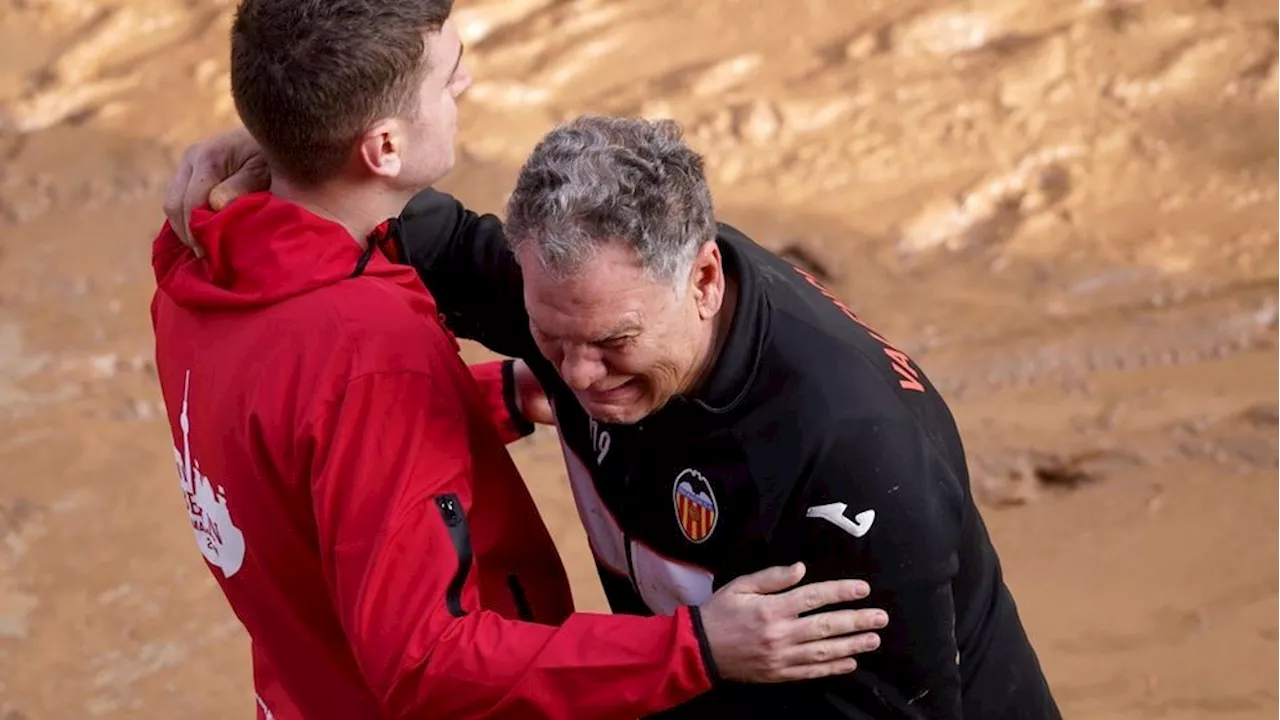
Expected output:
(359, 207)
(713, 342)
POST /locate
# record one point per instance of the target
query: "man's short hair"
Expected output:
(599, 180)
(309, 76)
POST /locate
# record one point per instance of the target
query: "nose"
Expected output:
(581, 367)
(465, 79)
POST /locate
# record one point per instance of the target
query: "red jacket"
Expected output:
(352, 496)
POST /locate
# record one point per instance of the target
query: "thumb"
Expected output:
(770, 580)
(228, 190)
(253, 176)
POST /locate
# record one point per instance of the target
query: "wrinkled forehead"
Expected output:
(603, 298)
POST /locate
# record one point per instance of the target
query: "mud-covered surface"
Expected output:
(1066, 211)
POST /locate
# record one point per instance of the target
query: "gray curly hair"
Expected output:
(598, 180)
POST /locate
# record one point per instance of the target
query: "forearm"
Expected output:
(593, 666)
(463, 259)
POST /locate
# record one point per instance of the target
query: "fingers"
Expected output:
(843, 666)
(820, 594)
(173, 197)
(824, 652)
(203, 178)
(769, 580)
(837, 623)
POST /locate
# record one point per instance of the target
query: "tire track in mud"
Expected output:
(1192, 330)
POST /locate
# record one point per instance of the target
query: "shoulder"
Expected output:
(827, 367)
(374, 324)
(828, 391)
(824, 381)
(814, 337)
(844, 413)
(369, 343)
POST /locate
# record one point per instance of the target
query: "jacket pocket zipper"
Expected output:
(456, 523)
(523, 611)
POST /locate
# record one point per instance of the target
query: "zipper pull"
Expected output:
(452, 517)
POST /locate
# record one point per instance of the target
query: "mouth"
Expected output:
(614, 394)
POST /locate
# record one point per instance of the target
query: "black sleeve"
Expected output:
(908, 552)
(899, 529)
(464, 261)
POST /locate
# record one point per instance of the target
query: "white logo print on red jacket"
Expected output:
(220, 541)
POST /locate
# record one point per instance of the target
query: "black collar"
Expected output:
(735, 369)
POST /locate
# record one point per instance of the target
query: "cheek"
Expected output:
(666, 376)
(659, 370)
(435, 113)
(633, 362)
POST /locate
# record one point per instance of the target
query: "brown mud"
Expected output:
(1065, 211)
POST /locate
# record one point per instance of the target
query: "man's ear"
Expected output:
(381, 148)
(707, 280)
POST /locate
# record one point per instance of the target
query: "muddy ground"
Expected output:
(1066, 209)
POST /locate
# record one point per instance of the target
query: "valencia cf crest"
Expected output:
(695, 504)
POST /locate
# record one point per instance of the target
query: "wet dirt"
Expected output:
(1065, 211)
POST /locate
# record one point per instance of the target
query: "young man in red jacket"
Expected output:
(344, 475)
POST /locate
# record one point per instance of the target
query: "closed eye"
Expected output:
(615, 343)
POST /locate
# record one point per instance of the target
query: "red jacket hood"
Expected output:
(260, 250)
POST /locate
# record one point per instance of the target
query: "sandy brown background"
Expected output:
(1066, 209)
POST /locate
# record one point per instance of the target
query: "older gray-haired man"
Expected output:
(721, 411)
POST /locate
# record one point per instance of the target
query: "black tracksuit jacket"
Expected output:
(814, 440)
